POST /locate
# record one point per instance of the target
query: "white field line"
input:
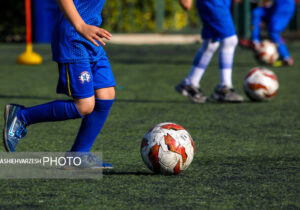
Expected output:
(149, 39)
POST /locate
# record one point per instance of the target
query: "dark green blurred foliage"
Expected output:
(118, 16)
(140, 16)
(133, 16)
(12, 20)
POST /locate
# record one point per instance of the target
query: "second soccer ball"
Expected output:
(260, 84)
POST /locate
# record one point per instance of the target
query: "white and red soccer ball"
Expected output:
(267, 52)
(167, 148)
(261, 84)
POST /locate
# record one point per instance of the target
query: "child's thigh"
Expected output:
(76, 80)
(102, 74)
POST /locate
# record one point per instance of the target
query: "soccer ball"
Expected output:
(267, 52)
(260, 84)
(167, 148)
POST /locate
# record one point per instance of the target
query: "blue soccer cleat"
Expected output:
(14, 129)
(88, 161)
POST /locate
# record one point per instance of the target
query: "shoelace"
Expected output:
(20, 133)
(92, 158)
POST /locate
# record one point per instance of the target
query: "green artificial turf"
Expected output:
(247, 155)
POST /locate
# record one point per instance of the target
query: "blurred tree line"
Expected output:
(135, 16)
(118, 16)
(142, 16)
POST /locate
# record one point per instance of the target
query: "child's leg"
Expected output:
(92, 124)
(56, 111)
(257, 15)
(201, 61)
(103, 81)
(282, 49)
(17, 117)
(226, 60)
(278, 22)
(75, 80)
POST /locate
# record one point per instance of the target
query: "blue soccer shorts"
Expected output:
(217, 19)
(80, 80)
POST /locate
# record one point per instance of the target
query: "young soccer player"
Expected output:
(84, 74)
(218, 29)
(277, 15)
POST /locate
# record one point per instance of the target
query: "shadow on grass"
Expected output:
(182, 102)
(124, 100)
(136, 173)
(151, 61)
(27, 97)
(148, 101)
(117, 100)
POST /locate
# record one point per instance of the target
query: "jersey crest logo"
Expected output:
(85, 77)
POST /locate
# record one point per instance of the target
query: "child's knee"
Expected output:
(106, 93)
(212, 46)
(112, 93)
(85, 106)
(230, 42)
(86, 109)
(275, 36)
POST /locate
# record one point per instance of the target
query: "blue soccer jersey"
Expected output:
(68, 46)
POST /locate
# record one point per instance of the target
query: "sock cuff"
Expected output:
(103, 104)
(75, 108)
(20, 116)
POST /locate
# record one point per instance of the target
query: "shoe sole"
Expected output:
(6, 113)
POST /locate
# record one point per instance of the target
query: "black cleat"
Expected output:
(226, 94)
(194, 93)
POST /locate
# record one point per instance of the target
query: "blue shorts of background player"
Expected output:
(84, 74)
(277, 18)
(216, 18)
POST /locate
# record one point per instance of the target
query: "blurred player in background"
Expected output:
(218, 29)
(84, 74)
(277, 15)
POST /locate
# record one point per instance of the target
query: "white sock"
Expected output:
(195, 76)
(201, 61)
(226, 78)
(226, 60)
